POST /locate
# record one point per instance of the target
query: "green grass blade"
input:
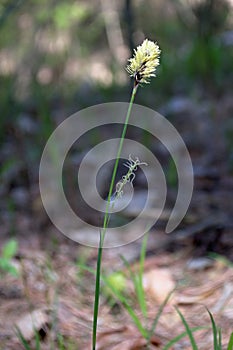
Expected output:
(215, 332)
(60, 340)
(141, 272)
(37, 337)
(97, 293)
(86, 268)
(132, 275)
(220, 339)
(137, 287)
(9, 249)
(221, 258)
(179, 337)
(188, 330)
(22, 339)
(230, 343)
(123, 301)
(129, 309)
(161, 307)
(138, 278)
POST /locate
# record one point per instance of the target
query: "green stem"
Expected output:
(97, 293)
(106, 221)
(119, 154)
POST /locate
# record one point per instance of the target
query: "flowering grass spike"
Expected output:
(144, 63)
(142, 67)
(132, 165)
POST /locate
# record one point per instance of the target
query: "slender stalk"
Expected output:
(97, 292)
(106, 220)
(119, 154)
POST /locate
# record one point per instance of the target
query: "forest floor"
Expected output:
(59, 295)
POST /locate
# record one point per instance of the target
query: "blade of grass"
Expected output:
(221, 258)
(179, 337)
(137, 287)
(97, 293)
(60, 339)
(138, 279)
(141, 271)
(37, 337)
(215, 332)
(188, 330)
(22, 339)
(220, 339)
(230, 344)
(123, 301)
(126, 305)
(155, 322)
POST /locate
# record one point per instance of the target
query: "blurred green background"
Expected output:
(57, 57)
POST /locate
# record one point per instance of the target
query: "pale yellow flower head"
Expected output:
(145, 61)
